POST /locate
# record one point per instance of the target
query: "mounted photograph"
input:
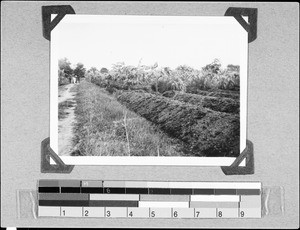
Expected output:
(148, 90)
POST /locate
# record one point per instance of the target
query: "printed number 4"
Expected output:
(130, 214)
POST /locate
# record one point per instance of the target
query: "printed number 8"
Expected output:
(219, 214)
(242, 214)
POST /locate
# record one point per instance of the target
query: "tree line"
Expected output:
(66, 72)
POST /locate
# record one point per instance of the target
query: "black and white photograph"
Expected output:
(148, 90)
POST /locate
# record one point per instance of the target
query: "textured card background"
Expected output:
(273, 111)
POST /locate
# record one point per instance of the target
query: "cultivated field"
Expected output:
(151, 111)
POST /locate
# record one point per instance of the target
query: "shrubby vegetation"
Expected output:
(162, 79)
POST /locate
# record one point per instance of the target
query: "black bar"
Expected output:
(248, 192)
(70, 189)
(136, 191)
(91, 190)
(64, 203)
(159, 191)
(49, 189)
(203, 191)
(113, 203)
(225, 191)
(114, 190)
(181, 191)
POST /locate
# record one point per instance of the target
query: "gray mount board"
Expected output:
(273, 111)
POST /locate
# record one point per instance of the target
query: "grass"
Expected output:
(104, 127)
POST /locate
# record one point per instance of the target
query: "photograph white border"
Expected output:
(163, 161)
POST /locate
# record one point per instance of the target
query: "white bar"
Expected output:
(155, 204)
(173, 161)
(48, 211)
(138, 212)
(136, 184)
(71, 212)
(217, 198)
(215, 185)
(93, 211)
(158, 184)
(115, 212)
(134, 197)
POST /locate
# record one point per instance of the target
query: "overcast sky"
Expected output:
(100, 41)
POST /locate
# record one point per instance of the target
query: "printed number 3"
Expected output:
(107, 213)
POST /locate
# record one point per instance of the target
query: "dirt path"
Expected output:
(65, 125)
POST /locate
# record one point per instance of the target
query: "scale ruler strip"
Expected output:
(153, 199)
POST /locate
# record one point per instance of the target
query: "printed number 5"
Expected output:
(152, 214)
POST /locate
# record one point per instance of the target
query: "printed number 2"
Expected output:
(86, 213)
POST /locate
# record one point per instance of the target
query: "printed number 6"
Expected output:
(175, 214)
